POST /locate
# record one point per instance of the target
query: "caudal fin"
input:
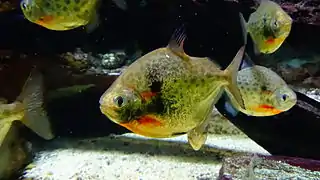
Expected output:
(232, 72)
(243, 24)
(35, 117)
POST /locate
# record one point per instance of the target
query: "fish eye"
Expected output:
(24, 5)
(284, 97)
(119, 101)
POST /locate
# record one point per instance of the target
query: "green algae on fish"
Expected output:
(167, 93)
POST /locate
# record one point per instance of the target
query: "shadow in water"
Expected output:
(129, 145)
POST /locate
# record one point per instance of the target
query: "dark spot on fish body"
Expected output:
(77, 1)
(193, 80)
(76, 8)
(155, 86)
(67, 1)
(47, 4)
(156, 106)
(58, 6)
(83, 2)
(263, 88)
(65, 8)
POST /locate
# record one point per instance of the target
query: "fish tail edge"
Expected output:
(35, 117)
(232, 72)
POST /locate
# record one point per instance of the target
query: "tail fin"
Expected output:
(232, 72)
(243, 28)
(35, 116)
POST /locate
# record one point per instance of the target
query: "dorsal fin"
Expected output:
(177, 40)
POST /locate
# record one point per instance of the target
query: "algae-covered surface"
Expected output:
(130, 156)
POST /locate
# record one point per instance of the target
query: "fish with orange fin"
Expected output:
(268, 27)
(167, 93)
(264, 92)
(62, 15)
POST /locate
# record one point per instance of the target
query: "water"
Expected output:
(88, 63)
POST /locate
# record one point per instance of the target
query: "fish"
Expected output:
(62, 15)
(263, 91)
(268, 26)
(167, 93)
(27, 108)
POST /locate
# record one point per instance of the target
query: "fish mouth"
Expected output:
(111, 114)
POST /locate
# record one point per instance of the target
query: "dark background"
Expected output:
(213, 29)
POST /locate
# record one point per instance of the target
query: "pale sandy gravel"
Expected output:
(133, 157)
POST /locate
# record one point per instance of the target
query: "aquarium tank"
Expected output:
(159, 89)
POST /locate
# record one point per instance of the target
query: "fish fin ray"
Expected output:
(243, 28)
(232, 72)
(35, 116)
(177, 40)
(198, 135)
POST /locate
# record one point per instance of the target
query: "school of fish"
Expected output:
(166, 92)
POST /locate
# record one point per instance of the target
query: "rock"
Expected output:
(268, 167)
(14, 152)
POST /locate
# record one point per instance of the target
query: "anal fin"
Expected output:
(198, 135)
